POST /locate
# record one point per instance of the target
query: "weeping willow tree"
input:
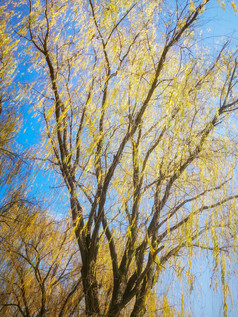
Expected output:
(8, 117)
(138, 119)
(37, 258)
(11, 183)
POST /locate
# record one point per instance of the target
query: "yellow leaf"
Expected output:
(234, 6)
(192, 6)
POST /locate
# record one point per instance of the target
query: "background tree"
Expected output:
(39, 271)
(134, 117)
(11, 167)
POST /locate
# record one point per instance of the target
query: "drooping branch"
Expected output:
(193, 213)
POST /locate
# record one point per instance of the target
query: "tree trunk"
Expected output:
(114, 311)
(90, 289)
(139, 309)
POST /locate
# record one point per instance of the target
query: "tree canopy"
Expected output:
(138, 121)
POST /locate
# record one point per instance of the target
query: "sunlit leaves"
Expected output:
(234, 6)
(37, 259)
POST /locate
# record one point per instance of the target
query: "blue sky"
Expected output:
(205, 301)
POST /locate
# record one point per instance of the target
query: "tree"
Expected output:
(134, 115)
(39, 273)
(10, 159)
(6, 67)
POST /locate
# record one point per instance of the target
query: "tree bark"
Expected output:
(90, 289)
